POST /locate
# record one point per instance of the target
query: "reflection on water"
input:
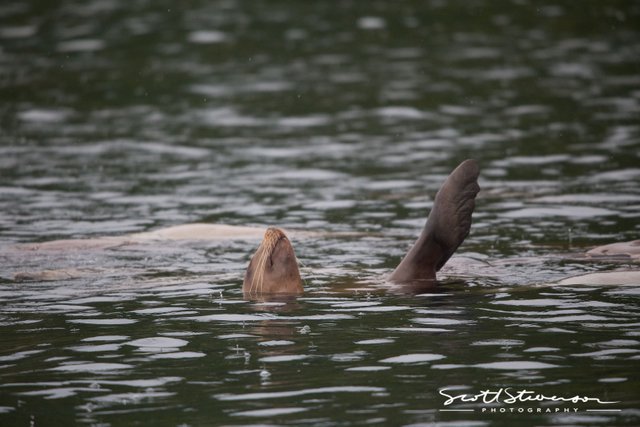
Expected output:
(125, 117)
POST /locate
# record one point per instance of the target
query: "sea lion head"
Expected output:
(273, 269)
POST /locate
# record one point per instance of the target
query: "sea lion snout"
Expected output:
(273, 269)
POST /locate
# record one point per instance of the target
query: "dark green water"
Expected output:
(336, 117)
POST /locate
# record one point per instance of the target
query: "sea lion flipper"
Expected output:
(447, 226)
(450, 218)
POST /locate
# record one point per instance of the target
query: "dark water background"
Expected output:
(337, 117)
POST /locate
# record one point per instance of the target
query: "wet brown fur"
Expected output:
(273, 269)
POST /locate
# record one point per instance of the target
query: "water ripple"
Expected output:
(303, 392)
(413, 358)
(92, 367)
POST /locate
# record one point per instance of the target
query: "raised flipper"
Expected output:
(446, 228)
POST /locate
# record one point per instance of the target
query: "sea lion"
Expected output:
(82, 256)
(273, 269)
(447, 226)
(604, 278)
(626, 251)
(184, 232)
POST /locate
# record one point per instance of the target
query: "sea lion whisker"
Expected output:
(274, 266)
(265, 251)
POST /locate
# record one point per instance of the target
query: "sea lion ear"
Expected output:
(450, 219)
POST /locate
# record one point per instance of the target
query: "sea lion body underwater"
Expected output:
(273, 269)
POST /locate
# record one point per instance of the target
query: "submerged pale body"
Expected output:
(627, 277)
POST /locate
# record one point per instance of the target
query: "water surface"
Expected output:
(339, 118)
